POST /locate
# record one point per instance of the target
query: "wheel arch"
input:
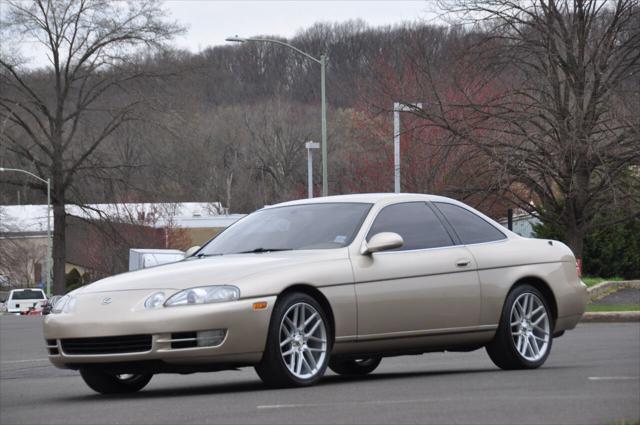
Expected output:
(316, 294)
(542, 286)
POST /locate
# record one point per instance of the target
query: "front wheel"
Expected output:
(357, 367)
(298, 344)
(106, 383)
(524, 336)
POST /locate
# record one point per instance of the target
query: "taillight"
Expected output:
(579, 266)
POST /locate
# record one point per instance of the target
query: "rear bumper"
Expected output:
(246, 334)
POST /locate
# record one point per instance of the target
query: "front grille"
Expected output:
(107, 344)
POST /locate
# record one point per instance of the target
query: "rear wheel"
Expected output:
(524, 336)
(106, 383)
(350, 366)
(298, 344)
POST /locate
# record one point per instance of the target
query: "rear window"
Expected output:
(27, 294)
(469, 227)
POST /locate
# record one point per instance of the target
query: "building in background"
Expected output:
(523, 223)
(99, 236)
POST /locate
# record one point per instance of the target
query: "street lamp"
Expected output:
(323, 62)
(309, 146)
(48, 258)
(397, 108)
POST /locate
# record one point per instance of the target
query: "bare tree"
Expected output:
(60, 116)
(279, 131)
(19, 257)
(545, 97)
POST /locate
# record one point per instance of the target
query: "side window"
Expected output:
(470, 227)
(415, 222)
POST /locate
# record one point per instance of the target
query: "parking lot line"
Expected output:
(293, 406)
(613, 378)
(25, 361)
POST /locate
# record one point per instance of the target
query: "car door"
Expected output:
(428, 284)
(488, 245)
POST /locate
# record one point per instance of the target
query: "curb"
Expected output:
(601, 289)
(612, 316)
(604, 288)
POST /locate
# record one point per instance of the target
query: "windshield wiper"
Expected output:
(202, 255)
(261, 250)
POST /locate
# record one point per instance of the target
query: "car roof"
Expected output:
(26, 289)
(371, 198)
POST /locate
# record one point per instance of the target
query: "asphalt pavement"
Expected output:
(591, 377)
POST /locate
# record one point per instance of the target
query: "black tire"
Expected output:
(502, 349)
(272, 368)
(106, 383)
(355, 367)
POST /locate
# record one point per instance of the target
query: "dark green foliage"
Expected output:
(73, 279)
(86, 278)
(608, 251)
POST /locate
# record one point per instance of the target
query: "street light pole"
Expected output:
(309, 146)
(325, 165)
(323, 63)
(48, 257)
(397, 108)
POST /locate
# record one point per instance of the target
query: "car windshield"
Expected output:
(297, 227)
(27, 295)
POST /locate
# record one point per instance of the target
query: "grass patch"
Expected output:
(594, 308)
(594, 280)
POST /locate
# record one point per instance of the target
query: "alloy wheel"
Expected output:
(303, 340)
(530, 331)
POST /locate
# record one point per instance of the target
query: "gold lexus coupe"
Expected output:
(337, 282)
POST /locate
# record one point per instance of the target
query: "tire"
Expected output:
(293, 358)
(105, 383)
(512, 348)
(355, 367)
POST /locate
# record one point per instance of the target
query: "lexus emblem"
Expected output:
(106, 301)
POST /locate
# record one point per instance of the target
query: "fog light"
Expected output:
(211, 338)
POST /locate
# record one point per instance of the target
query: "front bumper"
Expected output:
(244, 342)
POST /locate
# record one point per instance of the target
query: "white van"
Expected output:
(21, 300)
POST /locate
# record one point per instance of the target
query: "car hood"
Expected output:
(227, 269)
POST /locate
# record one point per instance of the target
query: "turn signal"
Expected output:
(261, 305)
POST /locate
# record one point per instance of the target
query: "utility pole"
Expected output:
(397, 108)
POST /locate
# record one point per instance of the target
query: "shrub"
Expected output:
(608, 251)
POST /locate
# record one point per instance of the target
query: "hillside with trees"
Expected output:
(534, 107)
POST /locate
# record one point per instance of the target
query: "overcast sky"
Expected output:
(209, 22)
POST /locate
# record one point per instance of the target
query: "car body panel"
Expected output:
(387, 302)
(528, 259)
(404, 291)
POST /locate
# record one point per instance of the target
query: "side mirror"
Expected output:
(191, 251)
(383, 241)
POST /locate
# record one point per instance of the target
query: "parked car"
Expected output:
(337, 282)
(21, 301)
(48, 306)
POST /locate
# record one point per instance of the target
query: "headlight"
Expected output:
(204, 295)
(155, 300)
(64, 305)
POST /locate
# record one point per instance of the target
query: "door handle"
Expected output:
(463, 262)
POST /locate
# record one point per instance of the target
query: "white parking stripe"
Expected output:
(613, 378)
(293, 406)
(25, 361)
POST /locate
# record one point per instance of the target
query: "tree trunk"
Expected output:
(228, 189)
(59, 248)
(575, 240)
